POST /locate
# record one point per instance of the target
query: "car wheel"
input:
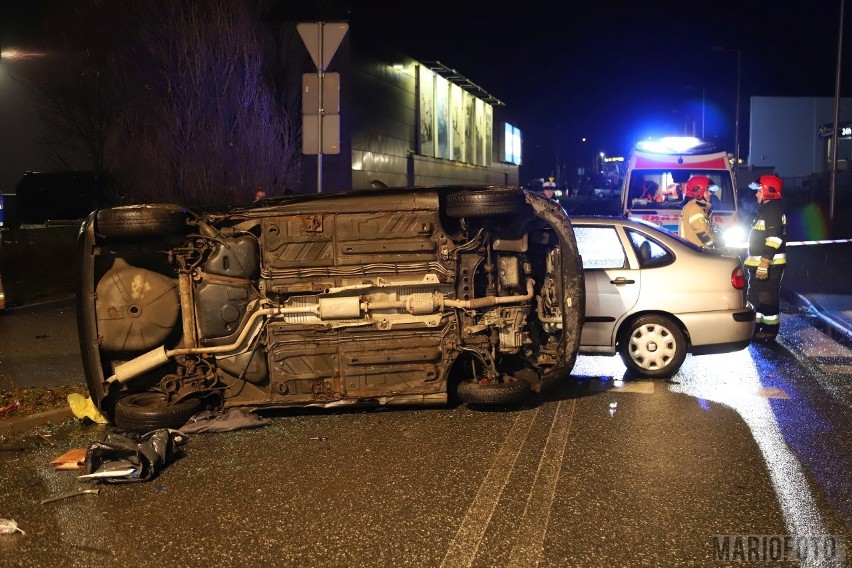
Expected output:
(146, 411)
(486, 203)
(493, 393)
(654, 347)
(141, 220)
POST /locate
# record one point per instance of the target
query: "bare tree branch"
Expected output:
(171, 98)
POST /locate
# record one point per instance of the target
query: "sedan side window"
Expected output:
(649, 252)
(600, 247)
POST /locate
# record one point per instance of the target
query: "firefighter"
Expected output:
(766, 256)
(695, 223)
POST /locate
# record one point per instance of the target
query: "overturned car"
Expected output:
(410, 296)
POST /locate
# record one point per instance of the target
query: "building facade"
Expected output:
(792, 135)
(408, 122)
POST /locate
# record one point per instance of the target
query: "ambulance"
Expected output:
(656, 177)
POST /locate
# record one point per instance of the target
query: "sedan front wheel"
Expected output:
(653, 347)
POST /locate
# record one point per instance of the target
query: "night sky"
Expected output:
(611, 71)
(615, 72)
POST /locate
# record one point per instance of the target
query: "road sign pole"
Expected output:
(314, 37)
(319, 122)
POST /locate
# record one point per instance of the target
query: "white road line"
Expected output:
(465, 544)
(792, 488)
(773, 392)
(836, 369)
(529, 541)
(814, 343)
(617, 385)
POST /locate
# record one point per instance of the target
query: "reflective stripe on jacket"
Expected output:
(695, 224)
(768, 237)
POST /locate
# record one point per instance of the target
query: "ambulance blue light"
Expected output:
(669, 144)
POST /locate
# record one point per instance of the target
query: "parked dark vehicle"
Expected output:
(390, 296)
(50, 196)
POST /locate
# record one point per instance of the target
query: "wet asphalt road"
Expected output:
(39, 346)
(602, 473)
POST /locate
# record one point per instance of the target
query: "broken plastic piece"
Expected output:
(83, 407)
(103, 473)
(9, 526)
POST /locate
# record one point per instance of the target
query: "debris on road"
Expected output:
(45, 437)
(123, 459)
(227, 421)
(10, 407)
(72, 459)
(83, 407)
(9, 526)
(70, 494)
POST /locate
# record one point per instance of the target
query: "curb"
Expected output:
(835, 323)
(21, 424)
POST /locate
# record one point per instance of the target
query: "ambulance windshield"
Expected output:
(664, 189)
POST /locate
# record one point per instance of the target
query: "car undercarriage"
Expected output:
(404, 296)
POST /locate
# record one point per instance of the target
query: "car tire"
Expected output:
(141, 220)
(146, 411)
(493, 393)
(653, 347)
(485, 203)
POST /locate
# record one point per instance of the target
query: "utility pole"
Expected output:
(835, 133)
(739, 52)
(737, 119)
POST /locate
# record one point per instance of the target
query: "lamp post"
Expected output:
(834, 136)
(737, 118)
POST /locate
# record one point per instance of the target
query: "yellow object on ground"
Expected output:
(83, 407)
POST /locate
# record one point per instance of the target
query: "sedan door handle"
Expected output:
(622, 280)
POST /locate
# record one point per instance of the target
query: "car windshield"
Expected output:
(664, 188)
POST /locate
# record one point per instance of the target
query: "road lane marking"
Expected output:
(809, 341)
(817, 344)
(836, 369)
(465, 544)
(637, 387)
(787, 473)
(529, 538)
(772, 392)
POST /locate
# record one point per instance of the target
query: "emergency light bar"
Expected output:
(671, 145)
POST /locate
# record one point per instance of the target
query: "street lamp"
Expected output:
(834, 136)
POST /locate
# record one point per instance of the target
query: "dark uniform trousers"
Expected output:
(764, 295)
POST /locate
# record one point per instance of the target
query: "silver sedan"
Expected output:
(652, 297)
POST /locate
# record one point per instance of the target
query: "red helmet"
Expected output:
(696, 186)
(771, 186)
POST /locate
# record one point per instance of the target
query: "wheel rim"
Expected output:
(652, 346)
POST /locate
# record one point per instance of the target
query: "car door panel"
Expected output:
(609, 295)
(612, 283)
